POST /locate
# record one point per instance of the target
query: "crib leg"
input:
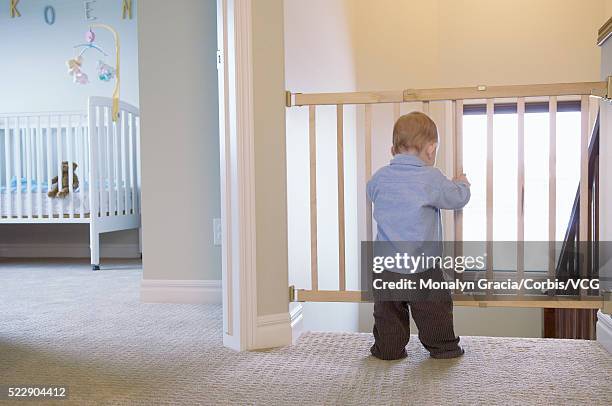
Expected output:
(140, 242)
(94, 245)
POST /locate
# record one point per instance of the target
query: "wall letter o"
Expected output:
(49, 15)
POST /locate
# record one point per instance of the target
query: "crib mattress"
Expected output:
(58, 207)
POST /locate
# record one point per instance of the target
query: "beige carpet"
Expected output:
(63, 324)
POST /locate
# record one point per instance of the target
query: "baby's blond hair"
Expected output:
(413, 131)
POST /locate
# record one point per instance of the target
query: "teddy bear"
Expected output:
(74, 65)
(55, 192)
(74, 70)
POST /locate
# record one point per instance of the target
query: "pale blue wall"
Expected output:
(33, 73)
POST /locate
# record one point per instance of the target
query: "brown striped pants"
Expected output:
(432, 311)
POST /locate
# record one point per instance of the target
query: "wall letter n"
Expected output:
(127, 9)
(14, 11)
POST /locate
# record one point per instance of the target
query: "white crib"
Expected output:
(32, 149)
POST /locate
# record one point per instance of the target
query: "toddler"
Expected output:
(407, 195)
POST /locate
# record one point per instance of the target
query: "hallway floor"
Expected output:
(61, 324)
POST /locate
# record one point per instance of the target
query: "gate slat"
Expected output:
(425, 107)
(552, 186)
(520, 207)
(458, 169)
(341, 228)
(312, 145)
(490, 112)
(368, 167)
(584, 186)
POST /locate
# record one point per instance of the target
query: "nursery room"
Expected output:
(72, 71)
(73, 288)
(340, 202)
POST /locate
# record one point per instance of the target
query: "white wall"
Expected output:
(445, 43)
(321, 60)
(180, 139)
(34, 78)
(270, 160)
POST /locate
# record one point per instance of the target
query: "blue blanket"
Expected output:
(24, 185)
(43, 185)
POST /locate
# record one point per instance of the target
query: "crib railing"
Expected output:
(32, 151)
(114, 176)
(33, 147)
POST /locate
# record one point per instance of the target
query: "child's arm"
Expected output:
(451, 194)
(370, 188)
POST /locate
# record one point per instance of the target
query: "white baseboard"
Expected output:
(67, 251)
(272, 330)
(278, 330)
(296, 316)
(179, 291)
(604, 330)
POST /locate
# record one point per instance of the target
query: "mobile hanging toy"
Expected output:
(105, 72)
(74, 70)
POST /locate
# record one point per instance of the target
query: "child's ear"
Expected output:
(431, 149)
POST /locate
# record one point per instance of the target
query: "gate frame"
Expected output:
(601, 89)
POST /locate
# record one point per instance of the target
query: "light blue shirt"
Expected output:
(407, 196)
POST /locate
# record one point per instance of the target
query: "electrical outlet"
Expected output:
(217, 232)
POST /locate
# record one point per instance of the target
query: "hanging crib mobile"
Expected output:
(105, 72)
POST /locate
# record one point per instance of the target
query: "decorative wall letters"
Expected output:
(14, 11)
(49, 15)
(89, 10)
(127, 9)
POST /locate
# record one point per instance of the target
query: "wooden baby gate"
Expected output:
(553, 95)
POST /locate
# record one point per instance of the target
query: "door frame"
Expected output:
(236, 130)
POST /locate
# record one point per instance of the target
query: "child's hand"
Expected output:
(462, 178)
